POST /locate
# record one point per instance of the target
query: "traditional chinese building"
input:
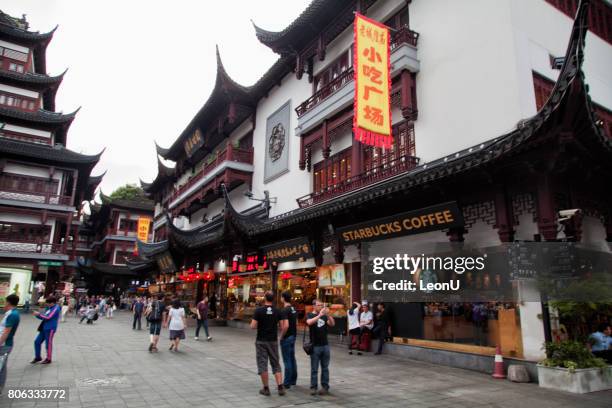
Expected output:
(42, 183)
(506, 132)
(111, 232)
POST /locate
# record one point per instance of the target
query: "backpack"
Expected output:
(156, 311)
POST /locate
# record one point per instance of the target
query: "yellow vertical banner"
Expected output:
(143, 228)
(372, 116)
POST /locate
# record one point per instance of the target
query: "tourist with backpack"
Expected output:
(156, 315)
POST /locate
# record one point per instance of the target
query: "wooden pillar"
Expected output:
(356, 158)
(229, 151)
(75, 177)
(302, 162)
(67, 234)
(407, 105)
(547, 220)
(339, 251)
(274, 279)
(299, 66)
(320, 48)
(503, 215)
(326, 142)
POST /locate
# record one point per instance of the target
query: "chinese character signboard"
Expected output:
(193, 143)
(143, 228)
(290, 250)
(165, 263)
(372, 117)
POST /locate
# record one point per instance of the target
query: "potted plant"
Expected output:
(571, 367)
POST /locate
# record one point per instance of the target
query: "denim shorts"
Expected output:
(155, 327)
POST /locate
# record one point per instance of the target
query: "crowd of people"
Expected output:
(275, 327)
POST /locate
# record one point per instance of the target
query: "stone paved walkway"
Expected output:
(107, 365)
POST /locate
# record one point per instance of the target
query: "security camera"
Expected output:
(565, 215)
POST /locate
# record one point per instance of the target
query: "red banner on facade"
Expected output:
(372, 116)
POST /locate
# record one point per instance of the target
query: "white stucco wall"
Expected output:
(541, 30)
(467, 84)
(295, 183)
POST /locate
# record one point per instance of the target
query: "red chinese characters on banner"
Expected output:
(372, 117)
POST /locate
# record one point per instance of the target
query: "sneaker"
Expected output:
(351, 353)
(36, 360)
(195, 338)
(313, 391)
(46, 361)
(324, 391)
(359, 353)
(265, 391)
(281, 390)
(151, 348)
(209, 338)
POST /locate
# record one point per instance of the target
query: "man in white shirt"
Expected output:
(354, 327)
(366, 322)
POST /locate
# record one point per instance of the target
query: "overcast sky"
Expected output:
(141, 69)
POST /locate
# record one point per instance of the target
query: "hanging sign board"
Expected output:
(289, 250)
(372, 116)
(193, 143)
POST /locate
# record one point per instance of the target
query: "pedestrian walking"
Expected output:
(202, 318)
(318, 322)
(137, 309)
(102, 305)
(155, 315)
(47, 329)
(287, 342)
(354, 328)
(382, 328)
(110, 308)
(8, 328)
(64, 308)
(266, 320)
(147, 306)
(176, 324)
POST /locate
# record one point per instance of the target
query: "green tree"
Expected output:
(128, 192)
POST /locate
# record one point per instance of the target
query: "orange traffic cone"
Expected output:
(498, 369)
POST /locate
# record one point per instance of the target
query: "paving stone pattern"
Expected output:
(107, 365)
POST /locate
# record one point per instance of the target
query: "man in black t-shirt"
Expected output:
(266, 320)
(287, 342)
(318, 323)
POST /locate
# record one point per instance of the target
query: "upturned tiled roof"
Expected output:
(45, 153)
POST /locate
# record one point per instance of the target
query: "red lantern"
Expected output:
(286, 275)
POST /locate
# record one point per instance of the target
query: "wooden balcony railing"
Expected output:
(230, 153)
(15, 245)
(31, 189)
(390, 168)
(402, 36)
(325, 91)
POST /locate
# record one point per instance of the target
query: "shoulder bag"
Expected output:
(307, 345)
